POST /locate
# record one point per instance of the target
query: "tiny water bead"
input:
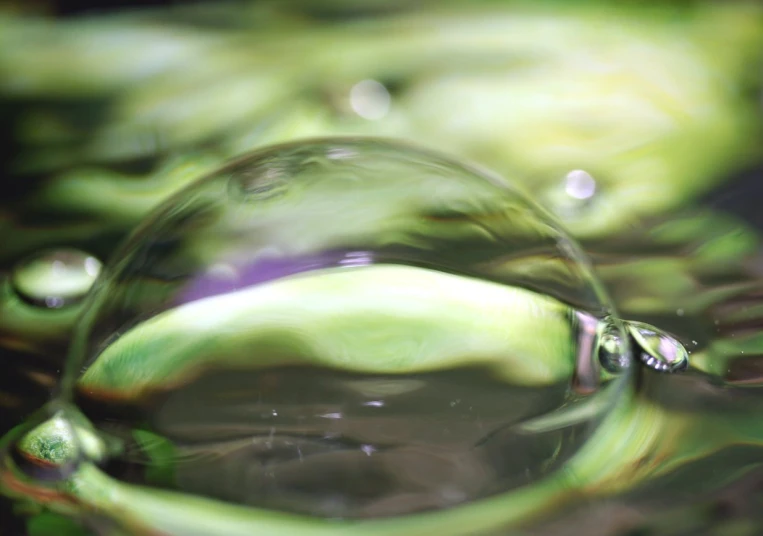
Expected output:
(344, 328)
(579, 184)
(571, 196)
(657, 349)
(55, 278)
(370, 99)
(48, 452)
(613, 355)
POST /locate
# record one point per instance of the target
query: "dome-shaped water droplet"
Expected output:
(399, 321)
(48, 449)
(657, 349)
(614, 354)
(55, 278)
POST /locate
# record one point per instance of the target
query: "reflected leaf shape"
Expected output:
(447, 326)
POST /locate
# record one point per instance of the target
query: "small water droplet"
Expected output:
(613, 353)
(579, 184)
(573, 195)
(55, 278)
(658, 350)
(680, 312)
(50, 448)
(370, 99)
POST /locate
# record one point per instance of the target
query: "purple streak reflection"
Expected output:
(224, 277)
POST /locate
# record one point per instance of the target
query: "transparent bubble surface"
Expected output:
(345, 328)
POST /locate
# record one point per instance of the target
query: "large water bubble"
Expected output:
(345, 328)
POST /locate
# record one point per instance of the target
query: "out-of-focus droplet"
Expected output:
(55, 278)
(578, 184)
(370, 99)
(571, 196)
(658, 350)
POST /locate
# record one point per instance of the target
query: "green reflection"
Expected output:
(403, 320)
(639, 441)
(50, 442)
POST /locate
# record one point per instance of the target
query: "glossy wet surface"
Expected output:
(332, 444)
